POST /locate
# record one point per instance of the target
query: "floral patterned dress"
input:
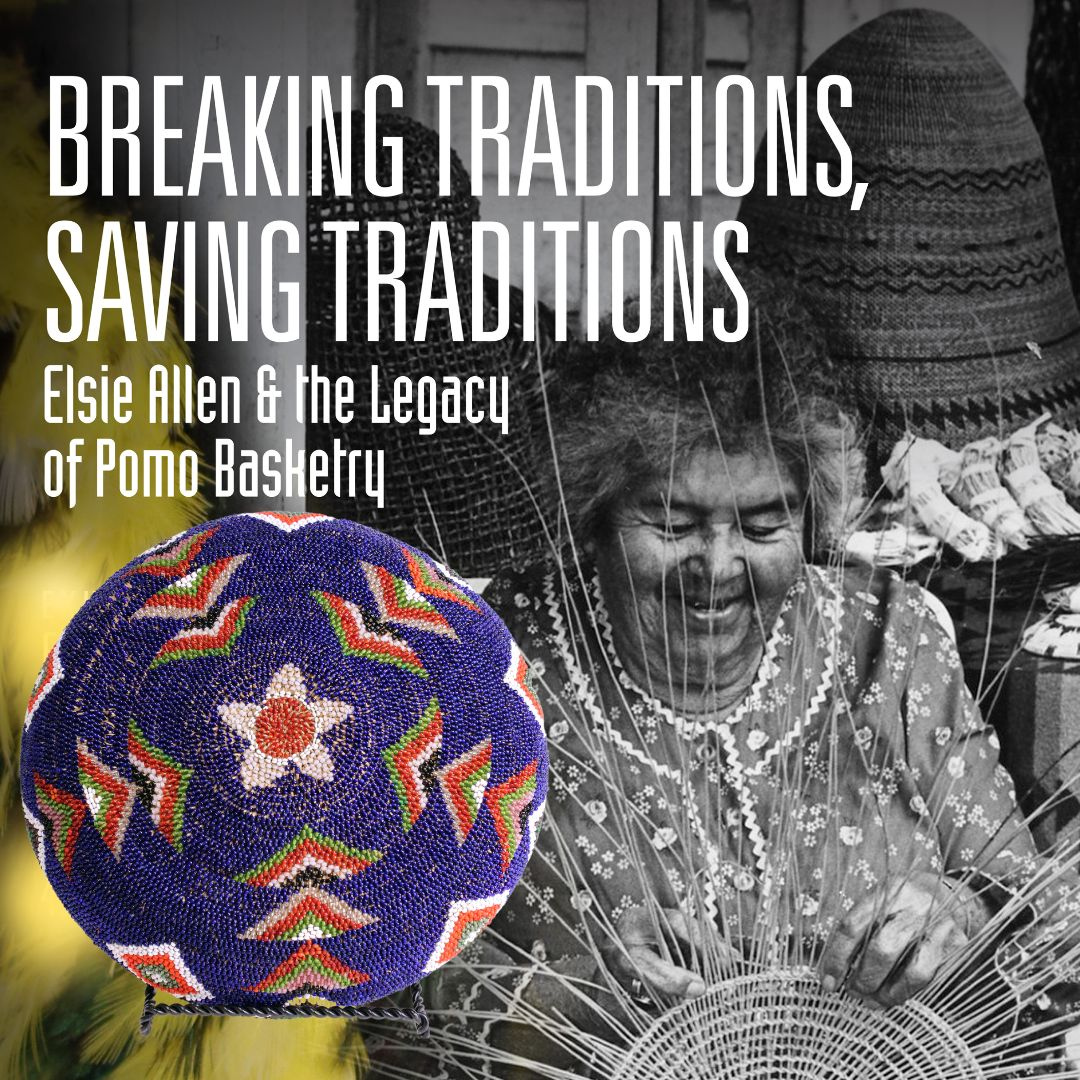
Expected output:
(857, 756)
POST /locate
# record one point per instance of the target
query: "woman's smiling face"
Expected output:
(694, 571)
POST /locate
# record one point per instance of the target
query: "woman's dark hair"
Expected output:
(627, 412)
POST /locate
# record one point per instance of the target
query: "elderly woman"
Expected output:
(756, 761)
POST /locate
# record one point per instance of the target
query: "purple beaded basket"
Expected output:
(283, 756)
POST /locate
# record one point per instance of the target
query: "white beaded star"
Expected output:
(284, 729)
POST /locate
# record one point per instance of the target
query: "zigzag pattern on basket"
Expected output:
(162, 783)
(309, 913)
(900, 280)
(465, 920)
(162, 967)
(519, 679)
(194, 594)
(358, 639)
(63, 814)
(957, 181)
(52, 671)
(309, 969)
(309, 858)
(177, 559)
(412, 762)
(508, 803)
(429, 582)
(401, 604)
(1004, 408)
(215, 639)
(463, 782)
(108, 795)
(1023, 350)
(287, 522)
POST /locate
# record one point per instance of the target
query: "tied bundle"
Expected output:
(980, 493)
(1059, 455)
(917, 473)
(1045, 505)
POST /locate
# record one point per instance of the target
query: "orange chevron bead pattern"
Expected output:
(192, 595)
(509, 803)
(177, 558)
(412, 762)
(310, 913)
(308, 970)
(216, 639)
(162, 783)
(429, 582)
(309, 856)
(108, 795)
(358, 639)
(64, 814)
(399, 603)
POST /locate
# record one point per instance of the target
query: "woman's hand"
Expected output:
(648, 959)
(893, 943)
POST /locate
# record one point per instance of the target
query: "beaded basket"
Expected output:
(283, 755)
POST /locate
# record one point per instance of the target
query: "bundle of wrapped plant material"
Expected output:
(1045, 505)
(979, 492)
(1059, 455)
(1057, 636)
(898, 545)
(916, 473)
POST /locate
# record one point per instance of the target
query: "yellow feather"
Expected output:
(52, 556)
(41, 949)
(277, 1050)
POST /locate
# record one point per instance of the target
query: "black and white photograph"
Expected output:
(540, 540)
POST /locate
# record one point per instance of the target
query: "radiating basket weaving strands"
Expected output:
(783, 1026)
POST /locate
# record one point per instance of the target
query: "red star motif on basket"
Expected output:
(284, 729)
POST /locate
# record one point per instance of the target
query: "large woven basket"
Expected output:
(783, 1026)
(946, 297)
